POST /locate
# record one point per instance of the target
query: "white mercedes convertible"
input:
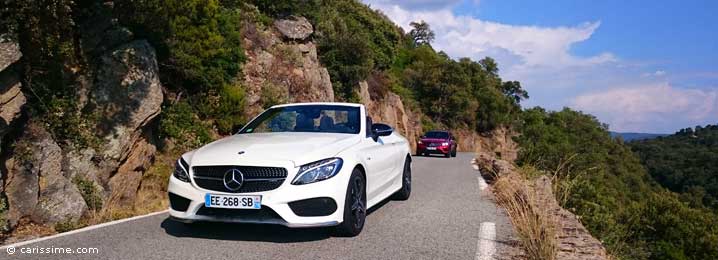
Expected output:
(298, 165)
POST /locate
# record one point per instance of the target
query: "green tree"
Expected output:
(422, 33)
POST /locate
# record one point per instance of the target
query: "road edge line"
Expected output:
(88, 228)
(486, 247)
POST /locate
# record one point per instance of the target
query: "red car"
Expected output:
(437, 142)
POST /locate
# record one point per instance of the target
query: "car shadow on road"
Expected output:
(244, 232)
(252, 232)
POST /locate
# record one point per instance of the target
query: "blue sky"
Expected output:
(637, 65)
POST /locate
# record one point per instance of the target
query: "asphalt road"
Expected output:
(443, 219)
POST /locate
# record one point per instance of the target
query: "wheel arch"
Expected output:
(361, 169)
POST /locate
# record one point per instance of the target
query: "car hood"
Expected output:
(262, 148)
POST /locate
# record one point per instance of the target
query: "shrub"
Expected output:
(224, 107)
(4, 225)
(271, 95)
(180, 122)
(90, 193)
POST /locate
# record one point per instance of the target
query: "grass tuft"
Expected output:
(532, 222)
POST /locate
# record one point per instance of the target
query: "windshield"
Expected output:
(437, 135)
(306, 118)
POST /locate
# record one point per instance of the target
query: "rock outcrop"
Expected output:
(12, 99)
(35, 185)
(127, 93)
(126, 181)
(279, 70)
(498, 143)
(390, 110)
(294, 27)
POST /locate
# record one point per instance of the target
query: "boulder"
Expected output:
(21, 189)
(59, 200)
(294, 27)
(128, 94)
(36, 187)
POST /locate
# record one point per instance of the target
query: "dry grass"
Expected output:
(152, 194)
(533, 223)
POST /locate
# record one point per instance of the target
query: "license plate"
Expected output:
(430, 148)
(232, 202)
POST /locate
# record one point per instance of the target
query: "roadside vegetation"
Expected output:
(601, 180)
(530, 217)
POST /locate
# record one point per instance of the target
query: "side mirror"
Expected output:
(422, 137)
(380, 129)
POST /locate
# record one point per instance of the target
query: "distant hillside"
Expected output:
(635, 136)
(685, 162)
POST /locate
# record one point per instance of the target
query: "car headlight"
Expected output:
(444, 144)
(318, 171)
(181, 170)
(420, 142)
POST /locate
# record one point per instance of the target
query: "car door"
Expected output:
(378, 156)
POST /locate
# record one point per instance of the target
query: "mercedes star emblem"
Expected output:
(233, 179)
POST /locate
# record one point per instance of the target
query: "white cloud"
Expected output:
(466, 36)
(652, 108)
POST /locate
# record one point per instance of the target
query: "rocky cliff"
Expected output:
(282, 65)
(47, 183)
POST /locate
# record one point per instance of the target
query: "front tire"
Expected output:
(405, 191)
(354, 206)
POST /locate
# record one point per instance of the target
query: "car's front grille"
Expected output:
(256, 179)
(263, 214)
(433, 144)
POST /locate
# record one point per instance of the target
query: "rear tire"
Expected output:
(405, 191)
(354, 207)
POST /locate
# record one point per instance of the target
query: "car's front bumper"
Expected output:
(275, 203)
(439, 149)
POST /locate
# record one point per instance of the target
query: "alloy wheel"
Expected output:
(358, 205)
